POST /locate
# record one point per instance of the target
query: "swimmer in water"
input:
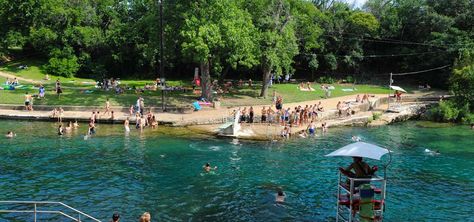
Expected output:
(126, 125)
(207, 168)
(60, 130)
(69, 126)
(91, 128)
(75, 125)
(355, 138)
(10, 134)
(280, 197)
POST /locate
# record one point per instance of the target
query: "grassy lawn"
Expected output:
(291, 93)
(81, 92)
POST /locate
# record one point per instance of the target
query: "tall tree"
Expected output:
(278, 42)
(216, 31)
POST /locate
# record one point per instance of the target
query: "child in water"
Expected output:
(207, 168)
(280, 197)
(10, 134)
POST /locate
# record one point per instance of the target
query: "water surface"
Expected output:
(161, 172)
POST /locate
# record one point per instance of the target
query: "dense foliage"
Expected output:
(255, 39)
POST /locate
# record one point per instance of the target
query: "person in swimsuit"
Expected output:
(27, 101)
(264, 115)
(154, 122)
(10, 134)
(107, 107)
(126, 125)
(60, 116)
(69, 126)
(207, 168)
(280, 197)
(60, 130)
(75, 124)
(146, 217)
(324, 127)
(115, 217)
(251, 114)
(311, 128)
(91, 128)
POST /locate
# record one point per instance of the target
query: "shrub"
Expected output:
(376, 115)
(349, 79)
(326, 80)
(66, 67)
(446, 111)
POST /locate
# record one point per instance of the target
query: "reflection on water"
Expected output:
(156, 172)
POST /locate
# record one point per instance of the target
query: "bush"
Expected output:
(349, 79)
(326, 80)
(376, 116)
(446, 111)
(66, 67)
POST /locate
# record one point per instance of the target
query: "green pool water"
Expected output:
(161, 172)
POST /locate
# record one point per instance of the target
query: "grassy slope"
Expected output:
(74, 91)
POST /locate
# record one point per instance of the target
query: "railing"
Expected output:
(35, 211)
(350, 190)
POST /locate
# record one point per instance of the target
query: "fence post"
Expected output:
(35, 211)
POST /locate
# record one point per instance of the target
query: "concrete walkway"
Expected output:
(205, 116)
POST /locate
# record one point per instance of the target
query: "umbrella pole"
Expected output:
(389, 91)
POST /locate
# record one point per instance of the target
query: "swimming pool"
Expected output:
(162, 173)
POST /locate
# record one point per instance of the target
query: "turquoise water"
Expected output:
(161, 173)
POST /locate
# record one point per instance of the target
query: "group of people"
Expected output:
(14, 82)
(297, 116)
(70, 126)
(142, 121)
(145, 217)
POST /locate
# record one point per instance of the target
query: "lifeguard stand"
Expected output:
(349, 199)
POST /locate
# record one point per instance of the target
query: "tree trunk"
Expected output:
(224, 74)
(206, 81)
(266, 79)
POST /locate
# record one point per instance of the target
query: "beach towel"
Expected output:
(196, 106)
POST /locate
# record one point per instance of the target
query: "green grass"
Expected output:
(291, 93)
(74, 88)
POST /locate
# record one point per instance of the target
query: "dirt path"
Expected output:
(21, 79)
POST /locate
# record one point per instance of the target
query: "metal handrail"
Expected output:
(36, 211)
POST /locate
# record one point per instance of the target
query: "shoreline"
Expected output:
(209, 120)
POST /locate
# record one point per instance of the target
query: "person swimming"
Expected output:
(10, 134)
(91, 128)
(207, 168)
(60, 130)
(280, 196)
(431, 152)
(75, 124)
(355, 138)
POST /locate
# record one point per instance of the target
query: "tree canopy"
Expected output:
(241, 39)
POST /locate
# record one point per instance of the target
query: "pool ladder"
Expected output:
(81, 216)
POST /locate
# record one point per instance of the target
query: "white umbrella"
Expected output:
(398, 88)
(361, 149)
